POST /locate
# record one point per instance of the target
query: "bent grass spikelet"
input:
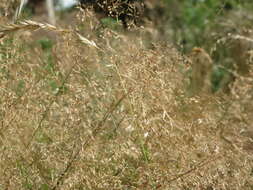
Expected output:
(29, 25)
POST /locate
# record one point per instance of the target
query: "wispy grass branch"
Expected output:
(29, 25)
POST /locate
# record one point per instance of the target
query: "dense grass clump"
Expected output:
(93, 107)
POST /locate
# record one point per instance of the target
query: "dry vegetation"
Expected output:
(116, 115)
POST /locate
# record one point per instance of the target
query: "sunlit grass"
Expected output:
(109, 112)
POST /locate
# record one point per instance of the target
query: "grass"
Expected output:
(113, 114)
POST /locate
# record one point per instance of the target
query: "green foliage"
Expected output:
(56, 88)
(44, 138)
(46, 44)
(145, 152)
(199, 23)
(44, 187)
(27, 13)
(20, 88)
(194, 20)
(111, 23)
(4, 56)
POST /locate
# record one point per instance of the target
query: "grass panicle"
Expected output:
(130, 111)
(29, 25)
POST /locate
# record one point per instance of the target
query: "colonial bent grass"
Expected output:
(115, 115)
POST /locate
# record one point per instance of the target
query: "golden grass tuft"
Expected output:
(75, 117)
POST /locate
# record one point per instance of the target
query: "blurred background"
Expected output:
(186, 23)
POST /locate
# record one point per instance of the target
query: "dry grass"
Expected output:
(29, 25)
(116, 117)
